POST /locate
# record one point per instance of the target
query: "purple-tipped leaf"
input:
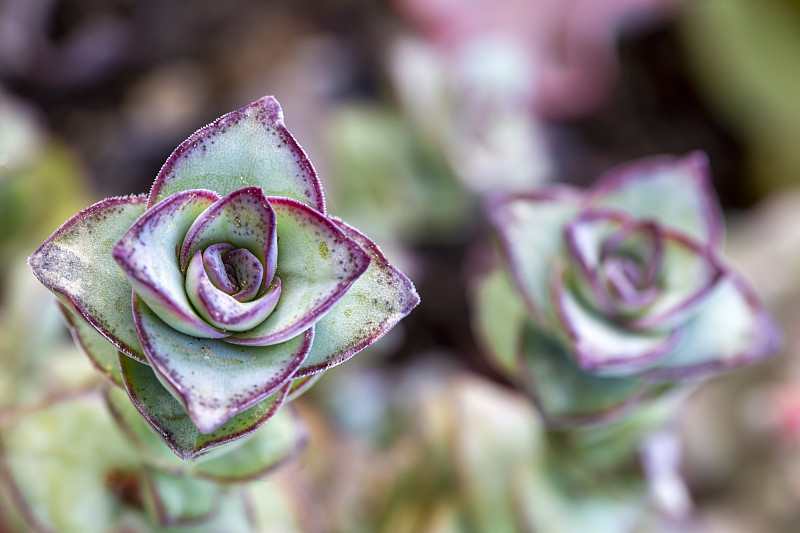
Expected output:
(255, 456)
(244, 219)
(301, 385)
(223, 310)
(170, 420)
(675, 191)
(689, 273)
(317, 264)
(530, 229)
(215, 380)
(248, 272)
(76, 264)
(372, 306)
(730, 328)
(600, 346)
(148, 254)
(276, 443)
(249, 147)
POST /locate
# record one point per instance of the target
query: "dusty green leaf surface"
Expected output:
(371, 307)
(248, 147)
(253, 456)
(76, 264)
(317, 263)
(172, 422)
(500, 316)
(213, 379)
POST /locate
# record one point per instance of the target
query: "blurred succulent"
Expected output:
(114, 485)
(612, 295)
(225, 291)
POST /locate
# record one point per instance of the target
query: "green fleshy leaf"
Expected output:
(248, 147)
(254, 456)
(499, 319)
(243, 219)
(174, 500)
(170, 420)
(531, 231)
(564, 393)
(76, 264)
(599, 346)
(212, 379)
(60, 460)
(317, 263)
(676, 192)
(101, 353)
(372, 306)
(279, 441)
(687, 275)
(148, 254)
(730, 328)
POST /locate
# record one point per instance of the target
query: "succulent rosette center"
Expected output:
(227, 289)
(610, 294)
(232, 283)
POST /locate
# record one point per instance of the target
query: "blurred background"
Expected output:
(411, 111)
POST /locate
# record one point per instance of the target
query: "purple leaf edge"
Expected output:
(271, 115)
(69, 299)
(374, 253)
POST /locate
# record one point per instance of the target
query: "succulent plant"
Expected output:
(228, 289)
(612, 295)
(103, 481)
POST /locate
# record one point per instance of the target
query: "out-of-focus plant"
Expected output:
(388, 177)
(472, 456)
(225, 292)
(744, 56)
(608, 297)
(69, 469)
(562, 51)
(475, 109)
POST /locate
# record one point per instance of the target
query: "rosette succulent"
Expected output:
(612, 295)
(227, 289)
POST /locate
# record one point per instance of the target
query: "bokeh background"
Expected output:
(412, 112)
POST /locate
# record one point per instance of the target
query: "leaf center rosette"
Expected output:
(612, 295)
(228, 289)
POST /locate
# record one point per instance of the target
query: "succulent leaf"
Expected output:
(171, 421)
(676, 192)
(249, 147)
(730, 328)
(148, 253)
(76, 264)
(317, 264)
(625, 287)
(373, 305)
(567, 395)
(215, 380)
(530, 229)
(100, 352)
